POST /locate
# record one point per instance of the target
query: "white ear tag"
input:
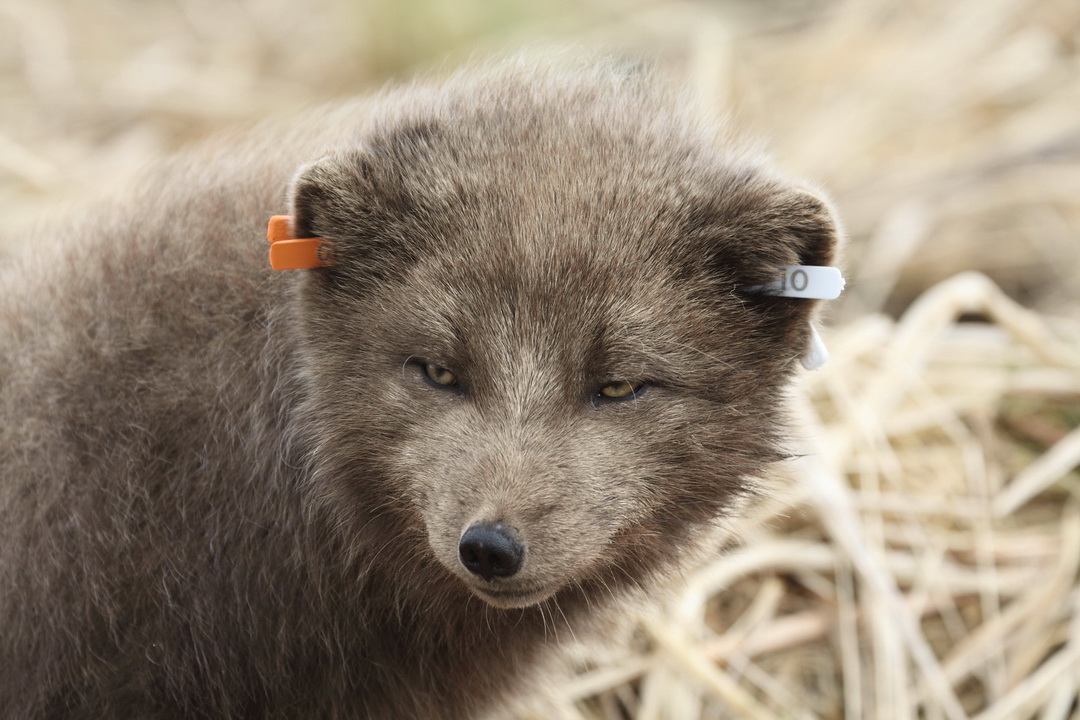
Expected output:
(808, 282)
(811, 282)
(817, 354)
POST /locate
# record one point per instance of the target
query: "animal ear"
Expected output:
(767, 230)
(791, 226)
(355, 202)
(329, 193)
(759, 232)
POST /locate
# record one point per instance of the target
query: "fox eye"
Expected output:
(439, 375)
(620, 390)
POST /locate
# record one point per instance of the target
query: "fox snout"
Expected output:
(490, 551)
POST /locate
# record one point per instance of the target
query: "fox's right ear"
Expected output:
(329, 193)
(355, 203)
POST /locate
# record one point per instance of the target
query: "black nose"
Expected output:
(490, 551)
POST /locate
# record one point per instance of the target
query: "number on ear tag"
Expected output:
(811, 282)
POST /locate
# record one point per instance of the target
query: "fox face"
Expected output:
(538, 362)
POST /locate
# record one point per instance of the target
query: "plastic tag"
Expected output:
(811, 282)
(817, 354)
(289, 253)
(808, 282)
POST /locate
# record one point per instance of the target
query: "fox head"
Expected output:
(538, 361)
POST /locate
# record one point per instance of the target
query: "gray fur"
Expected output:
(229, 492)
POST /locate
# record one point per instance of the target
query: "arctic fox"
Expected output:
(536, 362)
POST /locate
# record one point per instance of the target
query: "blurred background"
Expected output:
(921, 560)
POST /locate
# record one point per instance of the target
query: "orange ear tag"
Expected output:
(289, 253)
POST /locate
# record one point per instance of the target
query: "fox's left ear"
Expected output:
(755, 232)
(779, 227)
(813, 225)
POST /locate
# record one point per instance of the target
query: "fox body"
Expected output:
(534, 376)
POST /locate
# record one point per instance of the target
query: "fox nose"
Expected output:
(490, 551)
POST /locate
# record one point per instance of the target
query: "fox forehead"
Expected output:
(557, 319)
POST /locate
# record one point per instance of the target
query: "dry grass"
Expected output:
(923, 561)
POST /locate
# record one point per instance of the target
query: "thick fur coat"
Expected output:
(230, 492)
